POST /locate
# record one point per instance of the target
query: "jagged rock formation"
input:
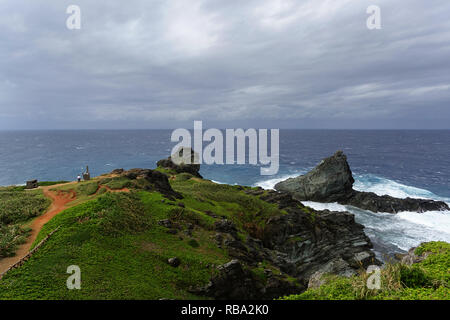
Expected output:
(233, 281)
(332, 181)
(299, 243)
(180, 166)
(308, 240)
(154, 179)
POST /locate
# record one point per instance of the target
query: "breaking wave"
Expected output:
(390, 233)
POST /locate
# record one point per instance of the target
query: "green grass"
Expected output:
(17, 208)
(167, 171)
(51, 183)
(11, 236)
(427, 280)
(116, 183)
(249, 213)
(121, 250)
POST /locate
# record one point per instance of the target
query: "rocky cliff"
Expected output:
(301, 243)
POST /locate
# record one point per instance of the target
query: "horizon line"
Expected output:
(155, 129)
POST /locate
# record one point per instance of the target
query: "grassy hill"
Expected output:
(115, 238)
(122, 230)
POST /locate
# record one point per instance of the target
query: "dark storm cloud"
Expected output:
(276, 63)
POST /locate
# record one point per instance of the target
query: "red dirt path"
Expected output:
(59, 203)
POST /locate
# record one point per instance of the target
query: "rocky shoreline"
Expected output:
(332, 181)
(302, 244)
(221, 241)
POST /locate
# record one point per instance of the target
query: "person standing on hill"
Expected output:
(79, 178)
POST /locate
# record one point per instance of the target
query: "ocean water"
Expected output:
(400, 163)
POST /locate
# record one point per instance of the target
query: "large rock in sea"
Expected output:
(332, 181)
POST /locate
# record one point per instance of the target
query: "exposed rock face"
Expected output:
(308, 241)
(157, 181)
(332, 181)
(180, 166)
(411, 257)
(301, 243)
(234, 282)
(336, 266)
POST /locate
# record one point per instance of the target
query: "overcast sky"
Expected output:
(251, 63)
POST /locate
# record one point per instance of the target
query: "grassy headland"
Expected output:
(121, 249)
(121, 232)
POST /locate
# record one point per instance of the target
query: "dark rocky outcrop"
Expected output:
(156, 181)
(332, 181)
(235, 282)
(307, 240)
(373, 202)
(301, 243)
(32, 184)
(181, 167)
(117, 171)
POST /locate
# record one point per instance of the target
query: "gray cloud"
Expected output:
(269, 63)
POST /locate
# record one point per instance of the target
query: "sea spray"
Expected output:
(390, 233)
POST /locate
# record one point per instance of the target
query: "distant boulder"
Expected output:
(332, 181)
(184, 160)
(32, 184)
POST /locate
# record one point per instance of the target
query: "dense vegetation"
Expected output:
(17, 207)
(426, 280)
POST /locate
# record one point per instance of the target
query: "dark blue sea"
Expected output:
(399, 163)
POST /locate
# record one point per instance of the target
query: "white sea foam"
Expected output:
(383, 186)
(270, 183)
(325, 206)
(436, 220)
(402, 230)
(218, 182)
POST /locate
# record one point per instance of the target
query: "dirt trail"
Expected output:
(59, 203)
